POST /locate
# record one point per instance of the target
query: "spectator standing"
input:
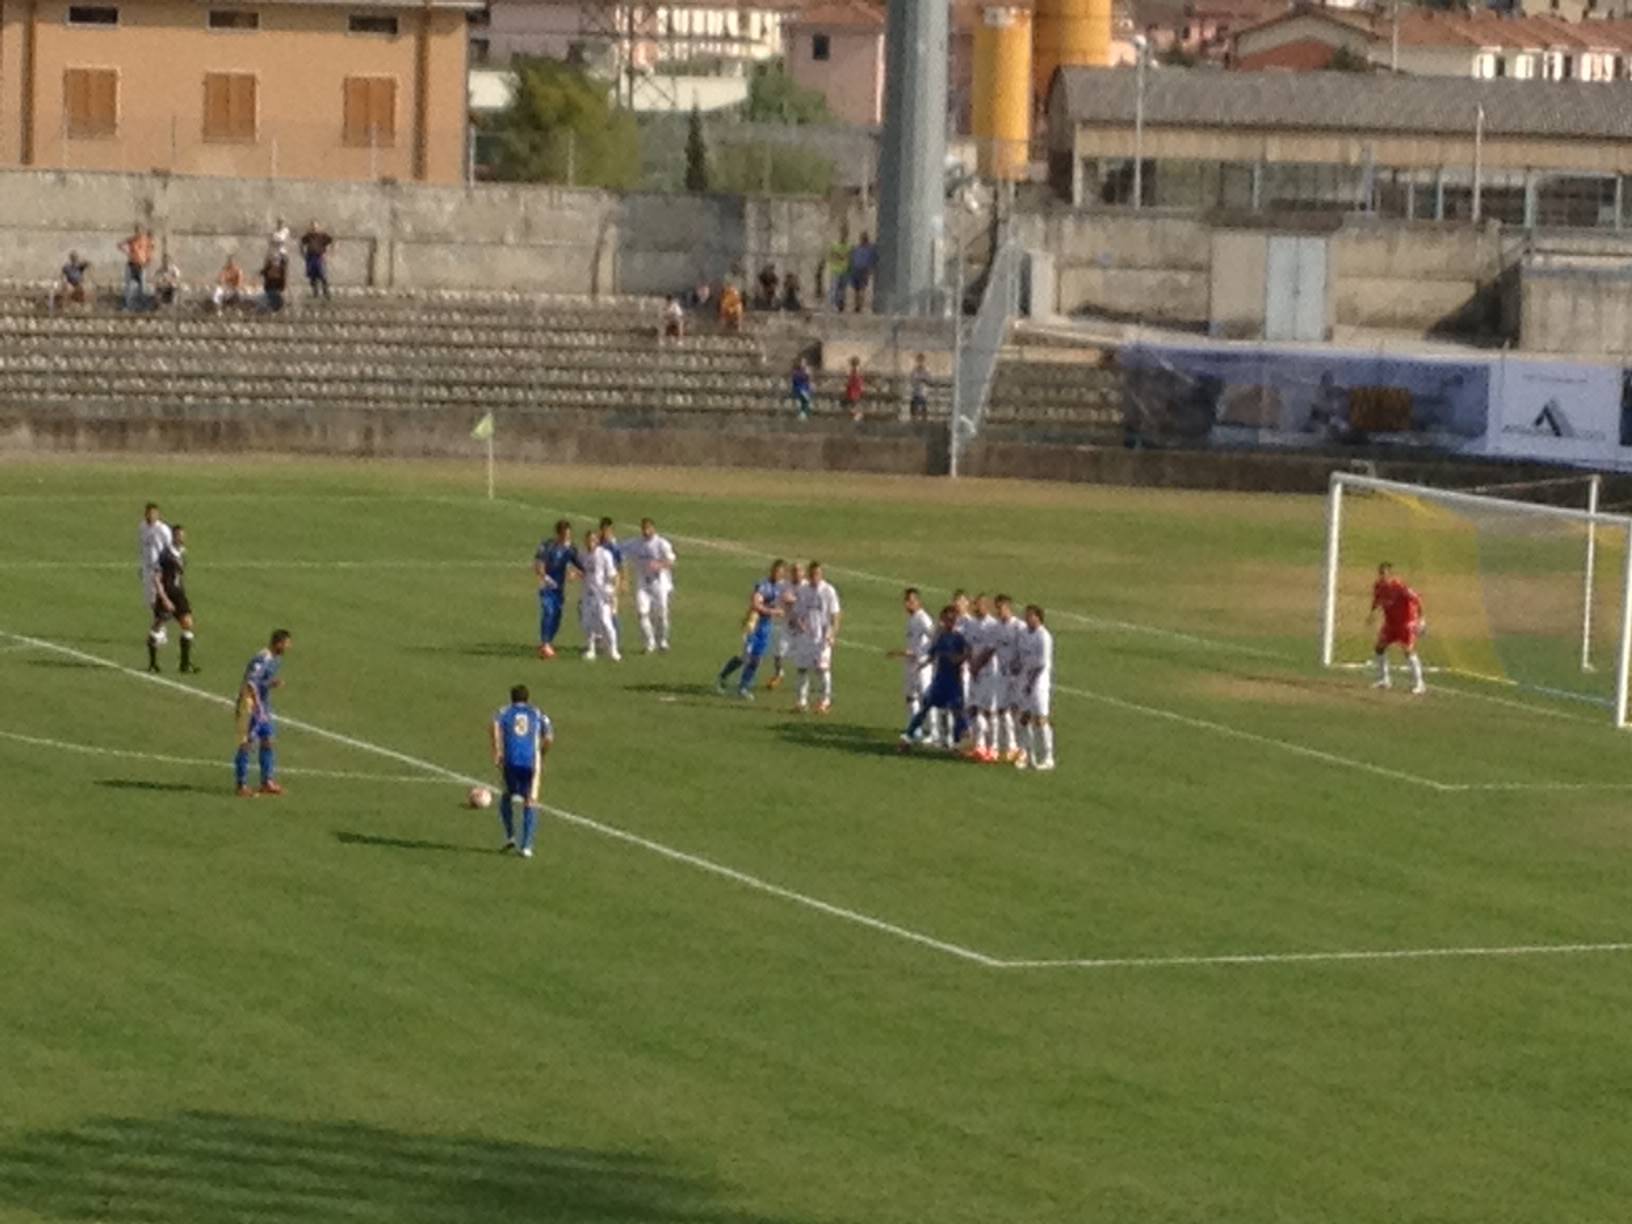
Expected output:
(919, 409)
(769, 282)
(701, 296)
(138, 252)
(277, 242)
(800, 385)
(838, 264)
(854, 389)
(863, 260)
(72, 286)
(229, 285)
(792, 294)
(314, 247)
(167, 285)
(274, 281)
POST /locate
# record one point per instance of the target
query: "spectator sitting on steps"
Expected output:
(731, 307)
(74, 283)
(791, 295)
(674, 322)
(229, 285)
(920, 389)
(701, 296)
(167, 286)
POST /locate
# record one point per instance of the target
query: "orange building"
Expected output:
(265, 88)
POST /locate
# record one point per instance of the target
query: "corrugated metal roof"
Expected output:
(1350, 102)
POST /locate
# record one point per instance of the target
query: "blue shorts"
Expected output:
(945, 695)
(758, 642)
(518, 780)
(253, 723)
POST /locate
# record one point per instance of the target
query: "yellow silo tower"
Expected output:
(1069, 33)
(1002, 91)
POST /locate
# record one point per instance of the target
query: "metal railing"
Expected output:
(978, 344)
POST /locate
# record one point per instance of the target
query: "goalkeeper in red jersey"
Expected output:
(1402, 624)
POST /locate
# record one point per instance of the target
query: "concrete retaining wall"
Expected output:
(650, 440)
(539, 239)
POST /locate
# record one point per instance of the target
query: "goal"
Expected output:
(1514, 591)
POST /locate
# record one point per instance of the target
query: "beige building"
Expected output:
(1525, 153)
(836, 47)
(274, 88)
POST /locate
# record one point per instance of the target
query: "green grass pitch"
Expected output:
(773, 972)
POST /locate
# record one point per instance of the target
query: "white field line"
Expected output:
(583, 822)
(387, 563)
(1292, 958)
(836, 911)
(40, 741)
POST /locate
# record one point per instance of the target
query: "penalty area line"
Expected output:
(671, 853)
(1295, 958)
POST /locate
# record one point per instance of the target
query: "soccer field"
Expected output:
(1269, 945)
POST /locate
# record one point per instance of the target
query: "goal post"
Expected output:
(1515, 583)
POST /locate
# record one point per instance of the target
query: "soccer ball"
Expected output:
(479, 798)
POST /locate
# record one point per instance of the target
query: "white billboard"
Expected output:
(1557, 411)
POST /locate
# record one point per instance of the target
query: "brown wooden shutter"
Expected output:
(90, 101)
(229, 106)
(370, 111)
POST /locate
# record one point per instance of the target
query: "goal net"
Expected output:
(1516, 590)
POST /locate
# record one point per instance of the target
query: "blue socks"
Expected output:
(749, 670)
(507, 815)
(269, 763)
(240, 767)
(529, 826)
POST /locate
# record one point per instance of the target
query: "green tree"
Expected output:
(773, 97)
(560, 127)
(760, 168)
(1346, 59)
(696, 153)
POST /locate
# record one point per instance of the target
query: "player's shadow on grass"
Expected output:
(226, 1167)
(147, 784)
(66, 664)
(346, 838)
(813, 731)
(687, 693)
(484, 650)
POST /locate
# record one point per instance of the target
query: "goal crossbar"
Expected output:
(1590, 517)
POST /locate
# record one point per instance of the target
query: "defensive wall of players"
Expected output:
(1155, 266)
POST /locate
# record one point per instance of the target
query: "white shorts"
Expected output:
(781, 640)
(1014, 691)
(986, 690)
(812, 653)
(915, 678)
(1036, 701)
(651, 598)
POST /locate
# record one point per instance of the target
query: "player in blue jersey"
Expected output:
(947, 655)
(764, 607)
(552, 564)
(522, 736)
(254, 716)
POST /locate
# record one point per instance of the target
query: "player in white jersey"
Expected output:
(651, 561)
(816, 616)
(787, 592)
(1037, 678)
(980, 631)
(599, 602)
(916, 670)
(1007, 638)
(153, 537)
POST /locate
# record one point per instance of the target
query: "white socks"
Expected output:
(647, 637)
(1046, 731)
(1382, 669)
(1416, 669)
(804, 687)
(1007, 741)
(827, 686)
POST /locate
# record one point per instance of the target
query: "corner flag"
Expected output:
(484, 429)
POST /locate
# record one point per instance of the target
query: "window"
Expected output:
(229, 106)
(93, 14)
(370, 111)
(371, 23)
(234, 19)
(1524, 66)
(90, 102)
(481, 50)
(821, 47)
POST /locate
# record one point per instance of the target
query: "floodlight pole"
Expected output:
(1626, 637)
(1478, 160)
(1139, 45)
(955, 441)
(1328, 610)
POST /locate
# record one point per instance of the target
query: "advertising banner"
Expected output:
(1558, 411)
